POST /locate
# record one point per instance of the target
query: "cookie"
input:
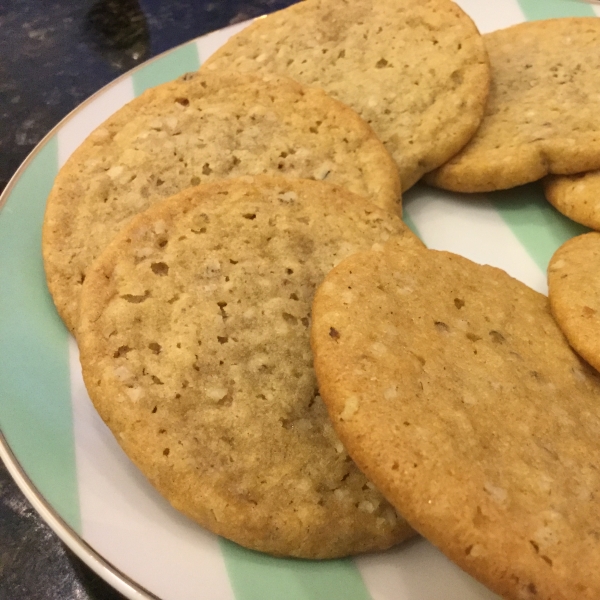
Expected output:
(454, 390)
(574, 293)
(541, 115)
(194, 340)
(196, 129)
(416, 71)
(576, 197)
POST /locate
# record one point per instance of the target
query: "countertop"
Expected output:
(55, 54)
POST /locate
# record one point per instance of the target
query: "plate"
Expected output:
(68, 464)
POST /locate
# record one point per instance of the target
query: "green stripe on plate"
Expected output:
(539, 227)
(35, 407)
(166, 67)
(256, 576)
(535, 10)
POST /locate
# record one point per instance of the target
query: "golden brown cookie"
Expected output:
(199, 128)
(194, 340)
(454, 390)
(574, 293)
(576, 197)
(416, 71)
(541, 115)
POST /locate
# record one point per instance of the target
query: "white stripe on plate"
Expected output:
(91, 114)
(491, 17)
(207, 44)
(129, 523)
(470, 226)
(417, 570)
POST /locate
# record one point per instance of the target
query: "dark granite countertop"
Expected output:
(55, 54)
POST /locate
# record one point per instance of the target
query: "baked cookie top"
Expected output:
(201, 127)
(455, 392)
(574, 293)
(416, 71)
(194, 341)
(576, 196)
(541, 115)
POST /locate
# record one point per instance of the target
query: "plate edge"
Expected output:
(116, 578)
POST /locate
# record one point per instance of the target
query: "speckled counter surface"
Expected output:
(55, 54)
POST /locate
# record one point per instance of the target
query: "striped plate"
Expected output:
(67, 462)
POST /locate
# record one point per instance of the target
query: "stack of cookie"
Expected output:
(197, 129)
(186, 275)
(541, 124)
(418, 73)
(183, 245)
(183, 242)
(451, 384)
(540, 120)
